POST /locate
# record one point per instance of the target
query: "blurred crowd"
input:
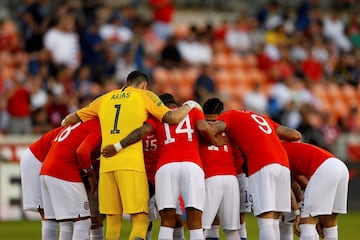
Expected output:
(56, 56)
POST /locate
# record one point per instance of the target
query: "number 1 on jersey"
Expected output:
(116, 119)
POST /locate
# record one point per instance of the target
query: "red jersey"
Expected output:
(255, 134)
(41, 147)
(178, 142)
(19, 103)
(71, 151)
(163, 10)
(238, 159)
(151, 156)
(216, 160)
(305, 158)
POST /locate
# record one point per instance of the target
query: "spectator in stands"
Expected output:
(9, 38)
(93, 48)
(255, 100)
(163, 13)
(63, 43)
(195, 48)
(170, 55)
(311, 127)
(237, 36)
(205, 84)
(33, 21)
(116, 34)
(19, 106)
(334, 29)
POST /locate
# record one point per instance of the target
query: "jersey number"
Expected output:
(115, 130)
(65, 133)
(183, 127)
(263, 124)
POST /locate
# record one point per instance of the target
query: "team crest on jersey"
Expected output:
(86, 205)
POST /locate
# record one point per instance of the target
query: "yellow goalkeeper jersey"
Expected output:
(120, 112)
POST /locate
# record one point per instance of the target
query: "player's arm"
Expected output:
(210, 133)
(288, 134)
(71, 118)
(219, 125)
(296, 210)
(133, 137)
(175, 116)
(90, 143)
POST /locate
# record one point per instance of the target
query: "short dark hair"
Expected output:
(213, 106)
(167, 98)
(136, 77)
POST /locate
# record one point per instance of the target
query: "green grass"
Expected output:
(31, 230)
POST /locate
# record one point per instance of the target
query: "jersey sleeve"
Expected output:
(198, 114)
(90, 111)
(87, 146)
(225, 118)
(154, 105)
(152, 121)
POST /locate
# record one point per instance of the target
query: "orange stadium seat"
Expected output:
(240, 76)
(220, 60)
(256, 75)
(236, 62)
(163, 80)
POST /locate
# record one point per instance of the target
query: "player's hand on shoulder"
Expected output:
(193, 104)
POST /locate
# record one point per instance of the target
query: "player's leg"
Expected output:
(167, 223)
(167, 194)
(179, 224)
(82, 228)
(134, 191)
(72, 204)
(31, 192)
(110, 204)
(152, 210)
(271, 195)
(213, 232)
(49, 224)
(194, 223)
(245, 204)
(214, 195)
(286, 226)
(49, 227)
(329, 226)
(192, 190)
(230, 207)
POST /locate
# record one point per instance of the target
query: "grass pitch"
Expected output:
(349, 226)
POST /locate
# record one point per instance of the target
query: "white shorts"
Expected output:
(30, 181)
(222, 199)
(327, 190)
(153, 211)
(180, 178)
(245, 197)
(271, 189)
(64, 199)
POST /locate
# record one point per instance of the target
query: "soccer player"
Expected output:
(179, 170)
(325, 194)
(268, 165)
(221, 183)
(151, 157)
(30, 164)
(123, 186)
(64, 194)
